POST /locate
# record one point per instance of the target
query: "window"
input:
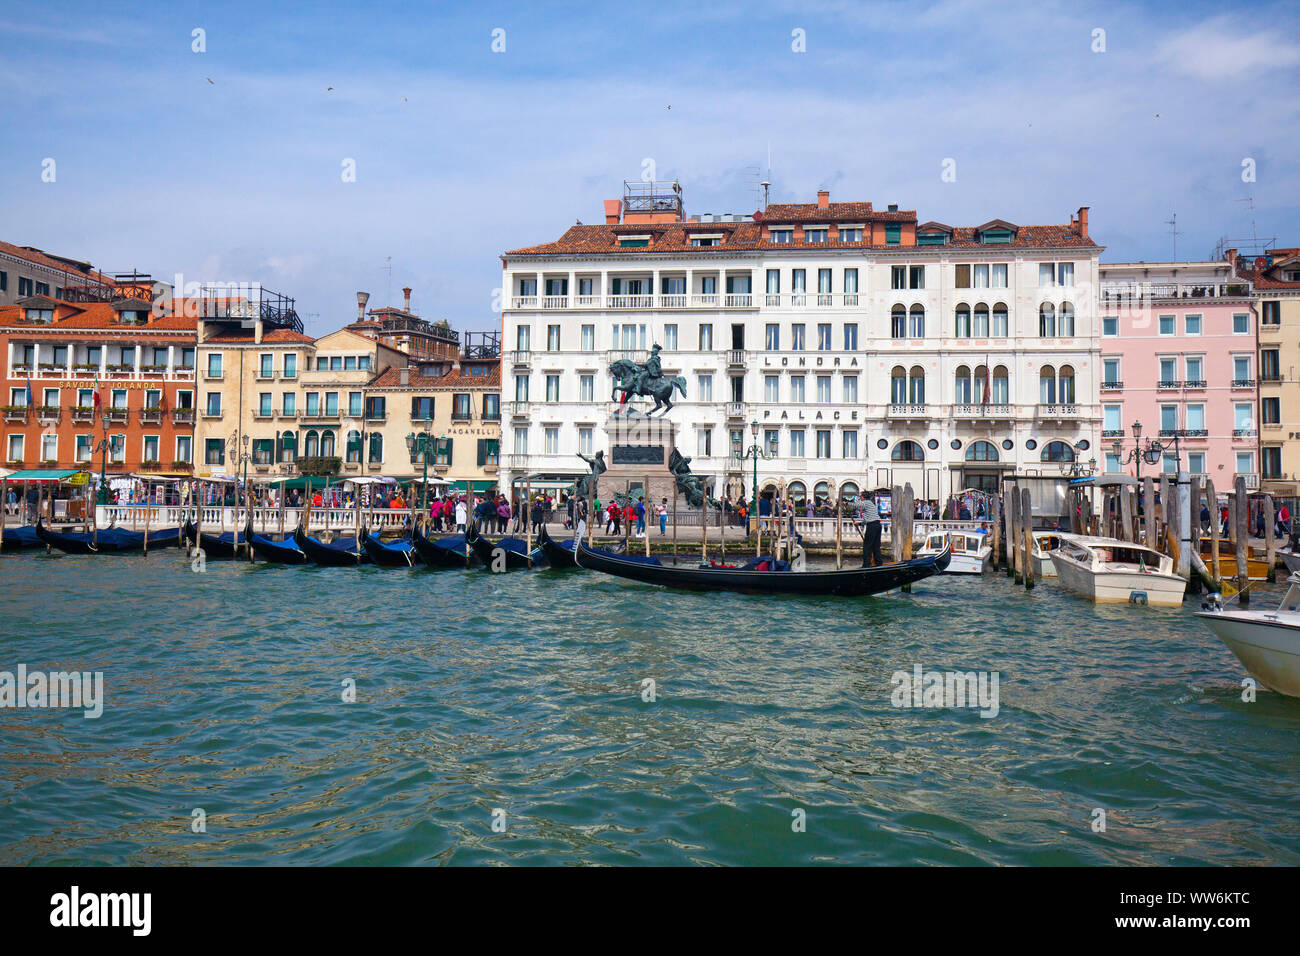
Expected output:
(1270, 462)
(331, 403)
(523, 337)
(313, 404)
(1111, 419)
(1245, 463)
(16, 445)
(588, 337)
(916, 322)
(797, 389)
(376, 452)
(584, 441)
(893, 235)
(705, 387)
(798, 284)
(24, 288)
(1168, 419)
(1241, 369)
(1195, 366)
(1192, 324)
(999, 275)
(1242, 417)
(1269, 365)
(1047, 385)
(1110, 371)
(773, 283)
(850, 389)
(982, 451)
(850, 336)
(290, 365)
(907, 451)
(1168, 371)
(815, 235)
(336, 363)
(322, 365)
(773, 337)
(214, 404)
(898, 276)
(521, 388)
(706, 337)
(898, 322)
(1196, 462)
(462, 407)
(980, 276)
(853, 234)
(670, 338)
(265, 366)
(491, 407)
(214, 452)
(797, 337)
(704, 442)
(83, 448)
(1057, 451)
(586, 388)
(1195, 418)
(421, 408)
(289, 403)
(50, 448)
(823, 443)
(823, 337)
(961, 327)
(798, 448)
(214, 365)
(521, 441)
(782, 235)
(1270, 314)
(1270, 410)
(1241, 323)
(823, 389)
(772, 388)
(354, 404)
(352, 450)
(1046, 274)
(552, 338)
(552, 388)
(1047, 320)
(980, 325)
(1167, 325)
(1000, 324)
(850, 444)
(51, 397)
(551, 445)
(264, 404)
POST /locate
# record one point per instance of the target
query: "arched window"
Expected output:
(1047, 320)
(821, 491)
(982, 451)
(907, 451)
(288, 446)
(1065, 385)
(963, 321)
(962, 392)
(797, 493)
(898, 322)
(353, 451)
(1067, 320)
(1001, 328)
(1001, 386)
(979, 384)
(981, 328)
(898, 386)
(1058, 451)
(376, 446)
(327, 449)
(849, 491)
(311, 445)
(916, 385)
(916, 322)
(1047, 385)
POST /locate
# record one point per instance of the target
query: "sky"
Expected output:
(477, 128)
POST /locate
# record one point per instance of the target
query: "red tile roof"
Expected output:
(37, 257)
(832, 212)
(86, 316)
(392, 378)
(269, 337)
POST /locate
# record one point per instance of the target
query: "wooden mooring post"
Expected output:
(1270, 541)
(1013, 529)
(1241, 514)
(1027, 538)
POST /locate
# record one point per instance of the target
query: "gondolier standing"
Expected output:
(871, 553)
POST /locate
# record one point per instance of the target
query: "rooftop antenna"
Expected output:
(388, 292)
(1173, 232)
(766, 185)
(1250, 202)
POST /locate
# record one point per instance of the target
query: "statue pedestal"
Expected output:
(639, 449)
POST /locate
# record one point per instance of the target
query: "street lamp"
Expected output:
(423, 439)
(1151, 453)
(1079, 470)
(103, 464)
(755, 452)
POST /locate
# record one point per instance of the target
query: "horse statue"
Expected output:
(625, 375)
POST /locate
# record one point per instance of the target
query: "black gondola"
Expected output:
(284, 551)
(221, 545)
(342, 553)
(108, 540)
(759, 576)
(400, 554)
(20, 538)
(559, 554)
(446, 552)
(515, 550)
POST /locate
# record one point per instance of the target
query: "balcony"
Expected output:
(1060, 413)
(151, 416)
(738, 300)
(48, 414)
(676, 300)
(1243, 434)
(183, 416)
(736, 358)
(519, 411)
(1252, 481)
(629, 301)
(908, 412)
(320, 415)
(1168, 383)
(1194, 433)
(15, 413)
(117, 414)
(491, 468)
(521, 359)
(1112, 433)
(1113, 385)
(523, 302)
(83, 413)
(288, 416)
(1194, 383)
(978, 412)
(460, 415)
(736, 411)
(639, 356)
(492, 414)
(1243, 383)
(555, 302)
(517, 462)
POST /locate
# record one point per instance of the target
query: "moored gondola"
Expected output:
(107, 540)
(445, 552)
(222, 545)
(559, 554)
(284, 551)
(21, 538)
(514, 550)
(399, 554)
(764, 574)
(342, 553)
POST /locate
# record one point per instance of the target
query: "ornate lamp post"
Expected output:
(103, 464)
(1079, 470)
(1150, 453)
(423, 440)
(755, 452)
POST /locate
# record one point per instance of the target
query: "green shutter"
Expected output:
(482, 452)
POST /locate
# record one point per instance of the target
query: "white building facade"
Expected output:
(875, 349)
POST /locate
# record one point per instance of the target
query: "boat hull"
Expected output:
(852, 582)
(387, 555)
(108, 541)
(1291, 559)
(327, 554)
(1269, 650)
(558, 554)
(278, 552)
(516, 556)
(21, 538)
(1164, 590)
(966, 563)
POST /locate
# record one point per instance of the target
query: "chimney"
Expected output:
(1083, 221)
(404, 376)
(613, 210)
(823, 198)
(406, 298)
(362, 299)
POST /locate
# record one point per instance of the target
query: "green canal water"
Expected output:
(523, 693)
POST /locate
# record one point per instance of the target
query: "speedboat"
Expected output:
(972, 552)
(1266, 642)
(1291, 558)
(1107, 569)
(1044, 542)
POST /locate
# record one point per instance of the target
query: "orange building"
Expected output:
(57, 354)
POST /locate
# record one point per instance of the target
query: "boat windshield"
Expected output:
(1291, 600)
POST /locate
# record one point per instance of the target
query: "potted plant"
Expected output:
(151, 465)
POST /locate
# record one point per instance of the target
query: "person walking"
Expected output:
(640, 517)
(871, 553)
(539, 514)
(663, 517)
(462, 513)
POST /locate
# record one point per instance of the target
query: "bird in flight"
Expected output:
(209, 79)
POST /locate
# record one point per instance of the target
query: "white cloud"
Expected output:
(1218, 49)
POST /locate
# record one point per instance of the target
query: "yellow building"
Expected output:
(1275, 276)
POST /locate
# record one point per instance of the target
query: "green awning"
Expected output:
(475, 486)
(41, 474)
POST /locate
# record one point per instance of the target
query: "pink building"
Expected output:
(1178, 357)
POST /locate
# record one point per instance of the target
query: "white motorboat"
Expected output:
(1044, 542)
(1266, 642)
(972, 552)
(1107, 569)
(1291, 559)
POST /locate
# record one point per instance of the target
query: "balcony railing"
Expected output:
(15, 413)
(116, 414)
(681, 300)
(1112, 386)
(1240, 433)
(1169, 383)
(736, 358)
(519, 411)
(1252, 481)
(1059, 411)
(555, 302)
(1243, 383)
(629, 301)
(1112, 433)
(521, 358)
(83, 413)
(736, 410)
(1194, 383)
(182, 416)
(151, 416)
(639, 356)
(908, 411)
(980, 412)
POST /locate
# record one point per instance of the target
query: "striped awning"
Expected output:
(42, 474)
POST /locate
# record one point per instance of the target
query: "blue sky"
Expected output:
(462, 153)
